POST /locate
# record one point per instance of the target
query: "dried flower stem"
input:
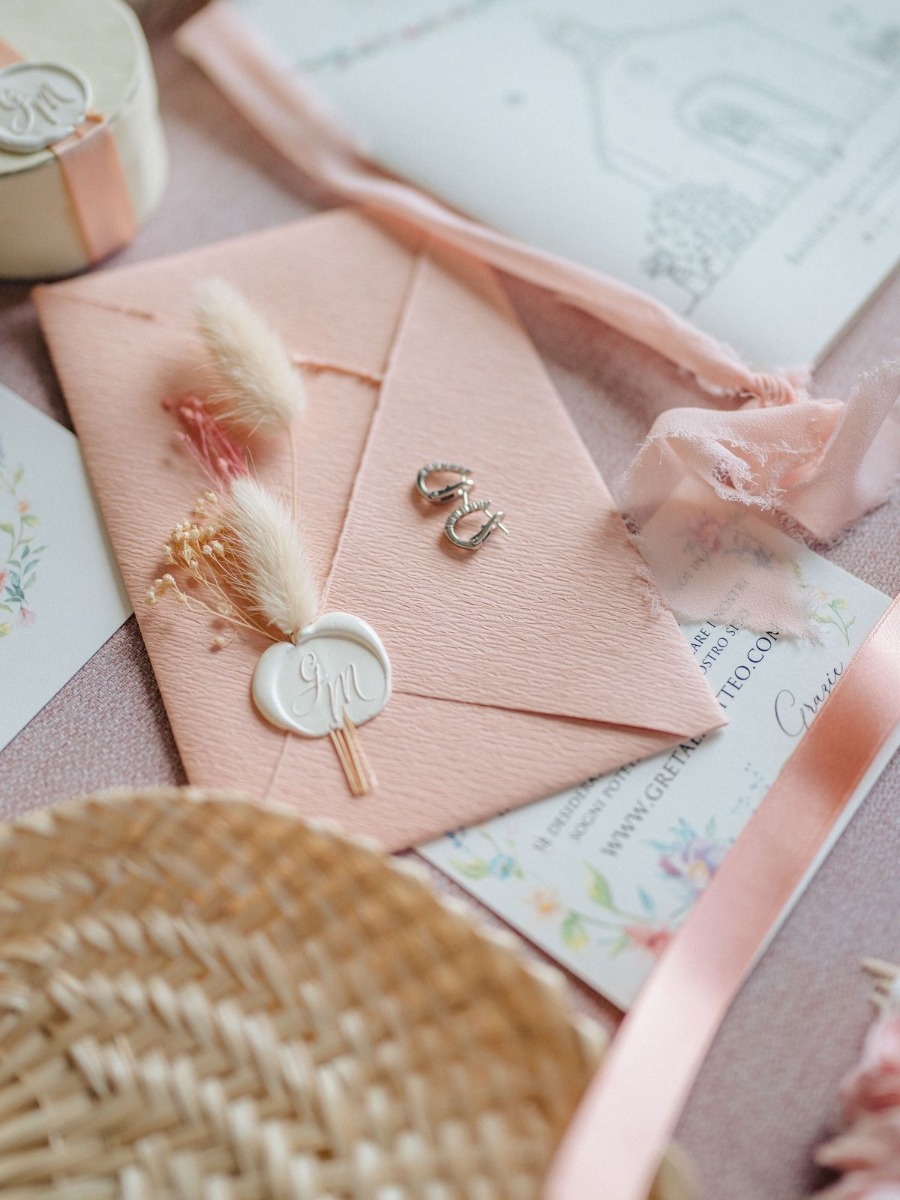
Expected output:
(277, 579)
(261, 389)
(233, 617)
(218, 455)
(204, 555)
(245, 553)
(294, 479)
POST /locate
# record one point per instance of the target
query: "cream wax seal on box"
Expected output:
(82, 157)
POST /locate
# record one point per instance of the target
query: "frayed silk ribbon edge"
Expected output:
(618, 1136)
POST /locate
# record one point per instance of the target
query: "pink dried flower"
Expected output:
(874, 1084)
(869, 1153)
(868, 1150)
(215, 450)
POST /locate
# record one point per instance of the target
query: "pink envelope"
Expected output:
(520, 669)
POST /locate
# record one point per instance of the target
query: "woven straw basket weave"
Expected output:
(203, 1000)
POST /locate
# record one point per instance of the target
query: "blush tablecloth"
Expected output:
(767, 1092)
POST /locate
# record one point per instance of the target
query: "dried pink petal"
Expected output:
(214, 449)
(875, 1083)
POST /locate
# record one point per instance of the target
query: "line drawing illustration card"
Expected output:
(601, 877)
(739, 161)
(61, 596)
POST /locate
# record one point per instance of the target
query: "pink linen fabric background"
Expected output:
(767, 1093)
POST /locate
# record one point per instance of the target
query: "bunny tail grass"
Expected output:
(278, 581)
(261, 389)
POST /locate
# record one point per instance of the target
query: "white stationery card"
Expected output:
(740, 161)
(602, 876)
(61, 596)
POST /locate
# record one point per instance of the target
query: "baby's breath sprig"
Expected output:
(207, 572)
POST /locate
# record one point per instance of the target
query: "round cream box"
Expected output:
(82, 156)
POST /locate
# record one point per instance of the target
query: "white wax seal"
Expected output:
(40, 104)
(338, 668)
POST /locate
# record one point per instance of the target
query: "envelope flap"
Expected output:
(333, 285)
(555, 617)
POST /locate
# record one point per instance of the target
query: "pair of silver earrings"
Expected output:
(459, 489)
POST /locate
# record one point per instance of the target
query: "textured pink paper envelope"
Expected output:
(518, 670)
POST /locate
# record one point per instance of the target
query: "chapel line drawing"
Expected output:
(722, 121)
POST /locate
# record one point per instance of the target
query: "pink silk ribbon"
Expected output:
(94, 179)
(295, 121)
(820, 462)
(617, 1138)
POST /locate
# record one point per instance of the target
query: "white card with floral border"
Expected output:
(601, 877)
(61, 596)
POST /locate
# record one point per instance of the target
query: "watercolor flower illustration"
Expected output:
(648, 937)
(705, 533)
(709, 535)
(545, 902)
(687, 862)
(827, 609)
(617, 930)
(497, 862)
(690, 858)
(20, 556)
(600, 923)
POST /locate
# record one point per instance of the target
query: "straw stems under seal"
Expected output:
(349, 749)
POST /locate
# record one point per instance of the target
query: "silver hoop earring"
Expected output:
(494, 521)
(450, 491)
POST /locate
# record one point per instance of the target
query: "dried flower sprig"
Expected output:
(207, 575)
(261, 389)
(219, 456)
(867, 1149)
(278, 582)
(243, 560)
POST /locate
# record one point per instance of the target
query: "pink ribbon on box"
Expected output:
(94, 178)
(617, 1138)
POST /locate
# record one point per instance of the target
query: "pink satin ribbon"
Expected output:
(614, 1145)
(95, 180)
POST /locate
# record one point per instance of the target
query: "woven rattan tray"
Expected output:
(200, 998)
